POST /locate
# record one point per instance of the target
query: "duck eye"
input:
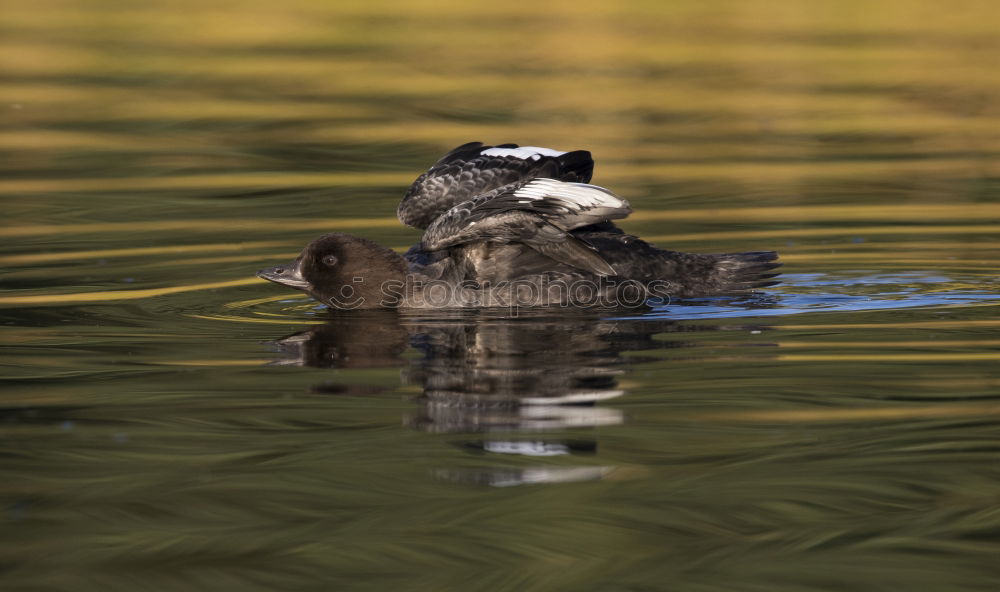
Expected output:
(330, 260)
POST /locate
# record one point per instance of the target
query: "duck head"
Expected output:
(341, 271)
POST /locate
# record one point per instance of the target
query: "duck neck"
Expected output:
(382, 281)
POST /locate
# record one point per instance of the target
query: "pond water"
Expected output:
(170, 422)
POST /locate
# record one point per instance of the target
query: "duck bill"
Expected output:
(288, 274)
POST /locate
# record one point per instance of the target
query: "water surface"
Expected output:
(171, 422)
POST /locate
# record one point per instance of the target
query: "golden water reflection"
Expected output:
(170, 422)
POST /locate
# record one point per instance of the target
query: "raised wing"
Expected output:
(539, 213)
(473, 169)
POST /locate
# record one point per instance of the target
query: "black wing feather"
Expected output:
(466, 172)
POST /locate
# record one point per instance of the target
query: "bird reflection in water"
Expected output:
(514, 380)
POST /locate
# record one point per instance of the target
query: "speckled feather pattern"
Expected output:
(498, 214)
(470, 170)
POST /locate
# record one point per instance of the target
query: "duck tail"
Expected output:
(746, 272)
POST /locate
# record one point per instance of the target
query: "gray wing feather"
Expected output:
(473, 169)
(538, 213)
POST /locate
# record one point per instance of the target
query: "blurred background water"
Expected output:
(170, 422)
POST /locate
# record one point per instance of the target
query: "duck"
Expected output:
(510, 225)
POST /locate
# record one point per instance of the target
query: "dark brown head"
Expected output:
(341, 271)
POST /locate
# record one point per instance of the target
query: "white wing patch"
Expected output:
(577, 195)
(524, 152)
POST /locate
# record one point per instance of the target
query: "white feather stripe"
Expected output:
(578, 194)
(524, 152)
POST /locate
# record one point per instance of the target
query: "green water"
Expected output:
(169, 422)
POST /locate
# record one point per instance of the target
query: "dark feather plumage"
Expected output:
(466, 172)
(494, 215)
(537, 213)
